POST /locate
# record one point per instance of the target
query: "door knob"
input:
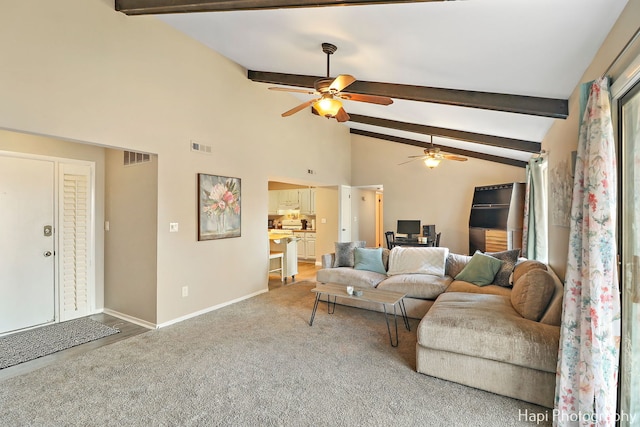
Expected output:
(47, 254)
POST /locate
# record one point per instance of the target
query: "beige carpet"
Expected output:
(255, 363)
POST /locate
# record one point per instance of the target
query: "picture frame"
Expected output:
(219, 207)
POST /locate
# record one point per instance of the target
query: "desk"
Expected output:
(430, 243)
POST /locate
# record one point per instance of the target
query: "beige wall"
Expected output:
(440, 196)
(326, 209)
(78, 70)
(363, 212)
(131, 208)
(43, 146)
(562, 138)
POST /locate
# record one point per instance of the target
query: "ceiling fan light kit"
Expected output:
(327, 107)
(328, 90)
(431, 162)
(432, 157)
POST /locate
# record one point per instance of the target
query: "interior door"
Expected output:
(27, 256)
(344, 233)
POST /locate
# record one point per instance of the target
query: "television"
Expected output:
(409, 227)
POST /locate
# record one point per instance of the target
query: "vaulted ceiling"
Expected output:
(484, 78)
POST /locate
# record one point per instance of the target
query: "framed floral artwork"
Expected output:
(218, 207)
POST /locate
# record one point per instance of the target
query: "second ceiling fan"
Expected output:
(328, 90)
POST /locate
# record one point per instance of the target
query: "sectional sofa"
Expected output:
(489, 321)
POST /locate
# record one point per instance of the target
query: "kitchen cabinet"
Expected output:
(288, 197)
(495, 223)
(306, 245)
(307, 201)
(274, 202)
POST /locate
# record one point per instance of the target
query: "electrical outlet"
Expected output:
(185, 291)
(173, 227)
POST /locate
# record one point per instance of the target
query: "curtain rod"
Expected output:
(622, 52)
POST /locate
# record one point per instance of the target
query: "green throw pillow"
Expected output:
(369, 259)
(480, 270)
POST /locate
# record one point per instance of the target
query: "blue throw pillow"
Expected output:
(480, 270)
(369, 259)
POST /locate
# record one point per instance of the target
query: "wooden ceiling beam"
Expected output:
(530, 105)
(478, 138)
(452, 150)
(157, 7)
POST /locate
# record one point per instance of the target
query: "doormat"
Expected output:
(28, 345)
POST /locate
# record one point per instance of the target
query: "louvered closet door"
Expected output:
(75, 257)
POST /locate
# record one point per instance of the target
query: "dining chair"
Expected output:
(390, 236)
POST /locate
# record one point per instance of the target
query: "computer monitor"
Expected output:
(409, 227)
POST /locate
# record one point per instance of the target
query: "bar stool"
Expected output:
(279, 256)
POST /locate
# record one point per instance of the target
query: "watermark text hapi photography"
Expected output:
(563, 416)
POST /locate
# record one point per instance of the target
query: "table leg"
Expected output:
(315, 307)
(403, 311)
(331, 307)
(386, 318)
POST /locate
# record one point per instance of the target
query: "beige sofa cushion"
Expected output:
(531, 294)
(488, 326)
(524, 267)
(423, 286)
(462, 286)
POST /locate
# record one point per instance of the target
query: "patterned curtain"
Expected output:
(587, 375)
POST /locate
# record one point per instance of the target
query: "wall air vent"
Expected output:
(132, 158)
(200, 148)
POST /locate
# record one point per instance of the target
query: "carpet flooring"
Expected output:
(28, 345)
(256, 363)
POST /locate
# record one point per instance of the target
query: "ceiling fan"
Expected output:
(327, 90)
(432, 157)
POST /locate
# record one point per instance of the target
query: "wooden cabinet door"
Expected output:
(495, 240)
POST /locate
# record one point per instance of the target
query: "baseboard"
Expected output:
(209, 309)
(130, 319)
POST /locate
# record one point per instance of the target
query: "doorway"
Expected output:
(46, 213)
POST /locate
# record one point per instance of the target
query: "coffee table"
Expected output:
(380, 296)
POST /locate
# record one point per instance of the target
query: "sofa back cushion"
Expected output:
(344, 253)
(523, 267)
(532, 292)
(509, 259)
(417, 260)
(369, 259)
(455, 263)
(481, 270)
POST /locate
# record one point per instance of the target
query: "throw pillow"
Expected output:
(480, 270)
(369, 259)
(531, 294)
(455, 263)
(417, 260)
(524, 267)
(509, 259)
(344, 253)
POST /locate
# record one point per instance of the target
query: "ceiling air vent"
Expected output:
(132, 158)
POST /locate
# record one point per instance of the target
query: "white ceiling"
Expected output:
(527, 47)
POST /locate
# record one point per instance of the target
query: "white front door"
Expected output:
(27, 287)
